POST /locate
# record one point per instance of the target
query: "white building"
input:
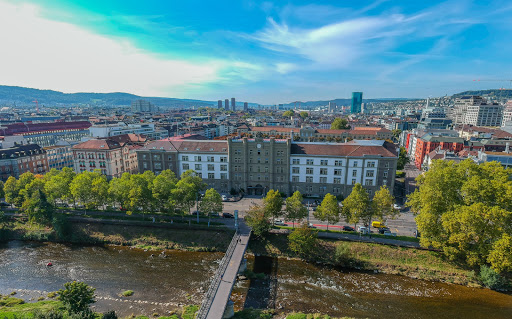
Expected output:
(121, 128)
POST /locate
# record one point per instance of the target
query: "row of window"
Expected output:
(199, 158)
(199, 167)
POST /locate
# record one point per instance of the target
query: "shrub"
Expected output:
(303, 241)
(189, 312)
(298, 315)
(491, 279)
(61, 227)
(52, 314)
(343, 253)
(127, 293)
(76, 297)
(109, 315)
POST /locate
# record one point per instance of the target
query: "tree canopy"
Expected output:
(403, 158)
(329, 210)
(211, 202)
(340, 124)
(273, 204)
(465, 210)
(295, 209)
(356, 206)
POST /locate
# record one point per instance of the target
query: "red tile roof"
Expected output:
(97, 145)
(347, 149)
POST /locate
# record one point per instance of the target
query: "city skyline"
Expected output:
(282, 53)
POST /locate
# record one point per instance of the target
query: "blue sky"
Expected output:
(263, 52)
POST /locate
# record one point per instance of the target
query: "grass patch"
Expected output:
(127, 293)
(25, 310)
(251, 313)
(189, 312)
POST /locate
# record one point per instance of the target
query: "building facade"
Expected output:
(20, 159)
(47, 134)
(147, 129)
(59, 156)
(256, 165)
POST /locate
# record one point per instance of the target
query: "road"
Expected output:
(403, 225)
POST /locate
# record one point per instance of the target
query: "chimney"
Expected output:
(507, 147)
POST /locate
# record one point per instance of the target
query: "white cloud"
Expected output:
(37, 52)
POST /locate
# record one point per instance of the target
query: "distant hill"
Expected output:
(502, 94)
(15, 95)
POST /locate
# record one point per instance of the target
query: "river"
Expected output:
(161, 284)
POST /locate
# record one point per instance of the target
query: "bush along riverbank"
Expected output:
(410, 262)
(61, 230)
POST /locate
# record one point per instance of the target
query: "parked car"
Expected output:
(224, 198)
(376, 224)
(363, 230)
(388, 233)
(398, 207)
(311, 225)
(383, 230)
(348, 228)
(279, 222)
(227, 215)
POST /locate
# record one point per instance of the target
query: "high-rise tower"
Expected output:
(226, 104)
(357, 99)
(233, 104)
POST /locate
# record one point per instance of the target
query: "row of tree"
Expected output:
(132, 192)
(465, 210)
(356, 207)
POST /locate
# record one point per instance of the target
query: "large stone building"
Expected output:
(17, 160)
(258, 165)
(47, 134)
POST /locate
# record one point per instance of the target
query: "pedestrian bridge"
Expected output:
(217, 297)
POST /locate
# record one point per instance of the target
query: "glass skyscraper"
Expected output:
(357, 100)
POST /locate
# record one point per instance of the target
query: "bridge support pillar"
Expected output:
(243, 266)
(229, 312)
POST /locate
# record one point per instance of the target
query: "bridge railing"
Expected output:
(215, 283)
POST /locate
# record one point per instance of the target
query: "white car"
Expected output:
(396, 206)
(363, 230)
(279, 222)
(224, 198)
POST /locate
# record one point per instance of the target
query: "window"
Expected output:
(295, 179)
(323, 180)
(211, 167)
(210, 159)
(309, 179)
(198, 167)
(309, 170)
(224, 168)
(353, 182)
(223, 159)
(323, 162)
(368, 182)
(322, 189)
(386, 165)
(211, 175)
(370, 164)
(158, 165)
(336, 190)
(238, 151)
(200, 175)
(223, 176)
(186, 167)
(309, 189)
(144, 165)
(338, 172)
(323, 171)
(309, 162)
(338, 163)
(197, 158)
(354, 164)
(296, 161)
(295, 170)
(354, 173)
(337, 180)
(156, 157)
(369, 173)
(143, 156)
(250, 152)
(279, 161)
(385, 174)
(184, 158)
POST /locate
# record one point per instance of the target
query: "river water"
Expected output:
(163, 284)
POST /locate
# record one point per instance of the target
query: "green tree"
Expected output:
(2, 193)
(184, 196)
(403, 158)
(76, 296)
(37, 208)
(99, 189)
(329, 210)
(11, 191)
(396, 134)
(118, 188)
(258, 220)
(295, 209)
(303, 241)
(57, 184)
(382, 204)
(465, 210)
(356, 206)
(340, 124)
(80, 189)
(163, 184)
(288, 113)
(500, 256)
(211, 202)
(140, 193)
(304, 114)
(273, 204)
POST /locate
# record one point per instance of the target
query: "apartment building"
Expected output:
(484, 115)
(111, 157)
(258, 165)
(59, 156)
(17, 160)
(146, 129)
(47, 134)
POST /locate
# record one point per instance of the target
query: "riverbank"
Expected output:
(410, 262)
(197, 238)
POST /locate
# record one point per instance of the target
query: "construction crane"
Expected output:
(37, 105)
